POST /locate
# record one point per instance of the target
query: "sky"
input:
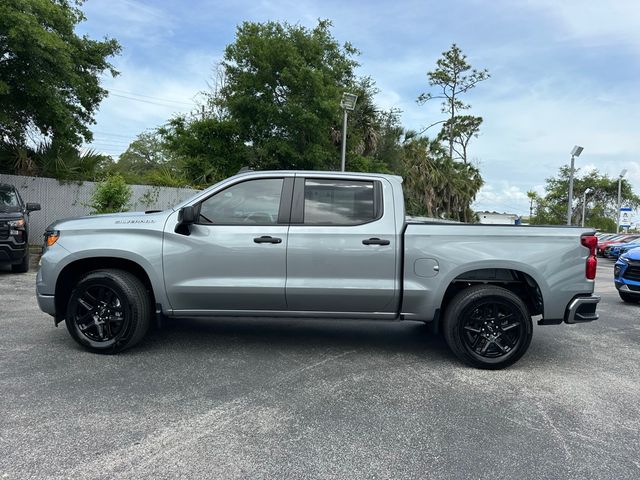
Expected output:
(563, 73)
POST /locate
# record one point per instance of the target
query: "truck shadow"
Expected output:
(195, 334)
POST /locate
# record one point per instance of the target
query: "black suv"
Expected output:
(14, 228)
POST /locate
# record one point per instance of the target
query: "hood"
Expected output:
(10, 215)
(113, 220)
(6, 210)
(633, 254)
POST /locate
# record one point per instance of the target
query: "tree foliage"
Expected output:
(452, 78)
(283, 85)
(111, 195)
(49, 75)
(435, 185)
(601, 206)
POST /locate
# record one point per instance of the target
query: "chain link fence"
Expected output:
(71, 199)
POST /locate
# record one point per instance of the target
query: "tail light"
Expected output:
(591, 242)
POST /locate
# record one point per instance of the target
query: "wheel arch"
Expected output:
(520, 281)
(72, 272)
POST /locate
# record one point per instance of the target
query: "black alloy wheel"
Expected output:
(492, 328)
(109, 310)
(487, 326)
(99, 314)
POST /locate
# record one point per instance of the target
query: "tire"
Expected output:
(108, 311)
(487, 327)
(22, 267)
(629, 298)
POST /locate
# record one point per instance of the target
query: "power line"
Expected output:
(149, 96)
(99, 132)
(149, 101)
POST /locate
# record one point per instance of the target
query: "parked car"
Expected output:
(315, 244)
(626, 276)
(613, 250)
(14, 228)
(628, 246)
(623, 238)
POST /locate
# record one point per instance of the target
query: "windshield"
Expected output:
(8, 199)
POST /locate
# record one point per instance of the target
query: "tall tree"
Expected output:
(205, 150)
(435, 185)
(145, 153)
(282, 87)
(49, 75)
(452, 78)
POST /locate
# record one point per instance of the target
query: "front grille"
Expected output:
(632, 273)
(4, 229)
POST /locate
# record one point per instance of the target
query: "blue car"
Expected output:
(626, 275)
(627, 246)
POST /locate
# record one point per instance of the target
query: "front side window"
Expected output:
(255, 202)
(338, 202)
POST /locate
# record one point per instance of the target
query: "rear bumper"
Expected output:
(582, 309)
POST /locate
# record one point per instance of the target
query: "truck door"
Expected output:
(342, 248)
(234, 257)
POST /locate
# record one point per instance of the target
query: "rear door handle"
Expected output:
(267, 239)
(376, 241)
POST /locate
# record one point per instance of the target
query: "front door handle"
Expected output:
(376, 241)
(267, 239)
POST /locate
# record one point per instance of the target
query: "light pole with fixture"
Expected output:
(577, 150)
(348, 103)
(584, 203)
(622, 174)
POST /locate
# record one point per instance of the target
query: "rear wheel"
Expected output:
(108, 311)
(487, 327)
(629, 298)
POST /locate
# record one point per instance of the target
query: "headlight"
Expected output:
(624, 257)
(16, 224)
(616, 270)
(51, 237)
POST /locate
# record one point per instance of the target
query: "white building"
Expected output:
(495, 218)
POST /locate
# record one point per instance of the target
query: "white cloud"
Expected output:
(129, 20)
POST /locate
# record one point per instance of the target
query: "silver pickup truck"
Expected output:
(315, 244)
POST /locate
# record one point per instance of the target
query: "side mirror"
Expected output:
(186, 217)
(32, 207)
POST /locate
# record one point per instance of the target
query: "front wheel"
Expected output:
(108, 311)
(487, 327)
(22, 267)
(629, 298)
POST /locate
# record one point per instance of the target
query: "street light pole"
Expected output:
(344, 141)
(577, 150)
(622, 174)
(584, 204)
(348, 103)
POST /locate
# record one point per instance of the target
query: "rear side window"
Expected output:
(339, 202)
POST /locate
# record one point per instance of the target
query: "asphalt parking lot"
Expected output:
(249, 398)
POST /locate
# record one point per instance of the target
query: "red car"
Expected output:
(624, 238)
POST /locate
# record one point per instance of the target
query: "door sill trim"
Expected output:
(284, 313)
